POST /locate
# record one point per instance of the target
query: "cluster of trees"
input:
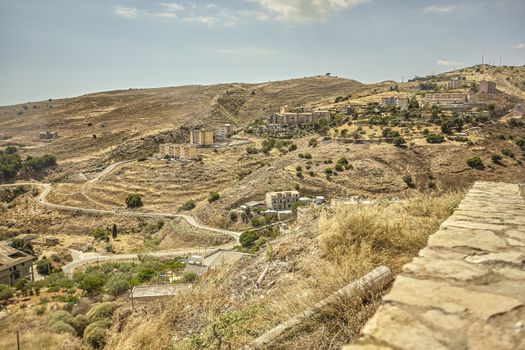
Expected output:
(12, 164)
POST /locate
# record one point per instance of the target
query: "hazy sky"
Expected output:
(63, 48)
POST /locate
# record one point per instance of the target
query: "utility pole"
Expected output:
(17, 341)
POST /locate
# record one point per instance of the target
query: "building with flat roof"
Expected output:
(281, 200)
(286, 118)
(401, 102)
(185, 151)
(223, 131)
(48, 135)
(15, 265)
(449, 99)
(454, 84)
(201, 137)
(487, 87)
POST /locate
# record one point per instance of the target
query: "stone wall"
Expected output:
(466, 289)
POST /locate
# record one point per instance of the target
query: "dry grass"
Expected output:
(348, 242)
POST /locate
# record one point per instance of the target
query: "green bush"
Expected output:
(312, 143)
(251, 150)
(398, 141)
(117, 285)
(62, 327)
(44, 266)
(101, 312)
(435, 138)
(100, 234)
(248, 238)
(233, 216)
(95, 334)
(496, 158)
(292, 147)
(6, 292)
(507, 152)
(61, 316)
(188, 205)
(92, 282)
(134, 200)
(146, 273)
(476, 163)
(189, 277)
(80, 322)
(213, 197)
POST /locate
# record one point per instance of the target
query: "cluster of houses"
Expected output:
(281, 203)
(199, 138)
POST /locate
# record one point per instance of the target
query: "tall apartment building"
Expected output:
(487, 87)
(454, 84)
(14, 265)
(222, 131)
(201, 137)
(179, 151)
(401, 102)
(281, 200)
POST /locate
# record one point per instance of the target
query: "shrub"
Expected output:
(507, 152)
(117, 285)
(248, 238)
(213, 197)
(312, 143)
(328, 171)
(62, 327)
(100, 234)
(233, 216)
(39, 311)
(476, 163)
(6, 292)
(307, 156)
(44, 266)
(251, 150)
(339, 167)
(146, 273)
(101, 312)
(409, 181)
(435, 138)
(398, 141)
(188, 205)
(496, 158)
(92, 282)
(80, 322)
(134, 200)
(189, 277)
(95, 334)
(292, 147)
(61, 316)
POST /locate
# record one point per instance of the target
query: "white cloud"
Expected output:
(519, 46)
(170, 10)
(244, 51)
(128, 12)
(302, 11)
(200, 19)
(446, 63)
(440, 8)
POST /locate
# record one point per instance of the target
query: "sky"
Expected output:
(65, 48)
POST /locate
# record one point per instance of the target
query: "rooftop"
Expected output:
(11, 257)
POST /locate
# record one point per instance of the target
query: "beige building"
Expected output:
(401, 102)
(14, 265)
(48, 135)
(178, 151)
(487, 87)
(454, 84)
(281, 200)
(449, 99)
(286, 118)
(222, 131)
(201, 137)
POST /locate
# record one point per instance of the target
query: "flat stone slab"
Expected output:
(450, 299)
(466, 289)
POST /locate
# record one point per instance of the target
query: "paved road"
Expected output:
(42, 199)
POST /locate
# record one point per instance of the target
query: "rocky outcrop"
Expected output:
(466, 289)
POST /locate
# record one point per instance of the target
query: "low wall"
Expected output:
(466, 289)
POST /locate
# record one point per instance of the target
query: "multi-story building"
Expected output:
(201, 137)
(222, 131)
(454, 84)
(286, 118)
(14, 265)
(48, 135)
(281, 200)
(401, 102)
(449, 99)
(178, 151)
(487, 87)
